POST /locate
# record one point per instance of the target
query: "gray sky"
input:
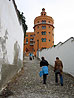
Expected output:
(62, 11)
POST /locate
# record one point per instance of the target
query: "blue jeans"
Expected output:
(56, 77)
(44, 78)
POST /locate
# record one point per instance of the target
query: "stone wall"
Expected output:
(11, 41)
(65, 51)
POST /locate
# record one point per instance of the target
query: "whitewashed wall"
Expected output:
(65, 51)
(11, 35)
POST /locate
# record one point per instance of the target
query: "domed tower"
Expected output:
(44, 32)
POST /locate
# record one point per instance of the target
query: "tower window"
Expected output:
(43, 32)
(38, 21)
(27, 41)
(31, 35)
(43, 21)
(49, 26)
(38, 27)
(26, 35)
(37, 32)
(43, 27)
(43, 39)
(49, 32)
(49, 40)
(42, 13)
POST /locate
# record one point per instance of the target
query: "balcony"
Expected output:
(31, 39)
(26, 42)
(47, 23)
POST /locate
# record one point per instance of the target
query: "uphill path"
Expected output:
(29, 84)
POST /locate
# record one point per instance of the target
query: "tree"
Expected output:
(22, 21)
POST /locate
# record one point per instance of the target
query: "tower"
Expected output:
(44, 32)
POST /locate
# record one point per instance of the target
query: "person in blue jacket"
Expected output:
(44, 64)
(30, 56)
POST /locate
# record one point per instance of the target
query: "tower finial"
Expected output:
(43, 9)
(43, 13)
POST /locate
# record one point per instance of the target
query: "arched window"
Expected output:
(43, 27)
(43, 21)
(43, 39)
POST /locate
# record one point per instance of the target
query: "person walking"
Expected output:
(33, 56)
(30, 56)
(58, 69)
(44, 64)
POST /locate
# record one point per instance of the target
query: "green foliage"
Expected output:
(54, 45)
(22, 21)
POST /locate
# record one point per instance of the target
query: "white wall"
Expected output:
(10, 24)
(11, 42)
(65, 51)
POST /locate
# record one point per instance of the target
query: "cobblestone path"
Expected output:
(29, 84)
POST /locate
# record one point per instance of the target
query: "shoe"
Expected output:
(44, 83)
(56, 83)
(61, 84)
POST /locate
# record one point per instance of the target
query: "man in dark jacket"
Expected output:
(44, 63)
(58, 69)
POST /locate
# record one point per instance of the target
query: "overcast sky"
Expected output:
(62, 11)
